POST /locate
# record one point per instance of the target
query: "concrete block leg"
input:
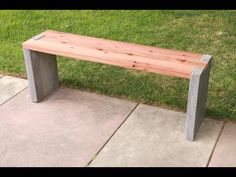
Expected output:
(42, 73)
(197, 96)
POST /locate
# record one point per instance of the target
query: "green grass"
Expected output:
(210, 32)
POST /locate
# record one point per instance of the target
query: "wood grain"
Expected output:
(140, 57)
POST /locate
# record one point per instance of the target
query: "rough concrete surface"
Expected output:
(10, 86)
(156, 137)
(66, 129)
(225, 152)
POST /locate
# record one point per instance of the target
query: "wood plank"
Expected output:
(145, 58)
(91, 42)
(128, 50)
(118, 44)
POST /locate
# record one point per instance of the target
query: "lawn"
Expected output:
(209, 32)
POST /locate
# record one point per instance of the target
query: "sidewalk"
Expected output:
(76, 128)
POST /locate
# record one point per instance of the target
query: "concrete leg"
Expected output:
(197, 96)
(42, 73)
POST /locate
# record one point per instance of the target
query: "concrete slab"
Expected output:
(10, 86)
(225, 151)
(154, 137)
(66, 129)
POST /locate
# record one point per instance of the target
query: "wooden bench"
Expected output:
(41, 66)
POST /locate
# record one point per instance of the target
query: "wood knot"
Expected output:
(181, 60)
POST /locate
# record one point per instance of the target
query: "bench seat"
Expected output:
(147, 58)
(41, 65)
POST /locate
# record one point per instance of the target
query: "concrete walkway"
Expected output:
(77, 128)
